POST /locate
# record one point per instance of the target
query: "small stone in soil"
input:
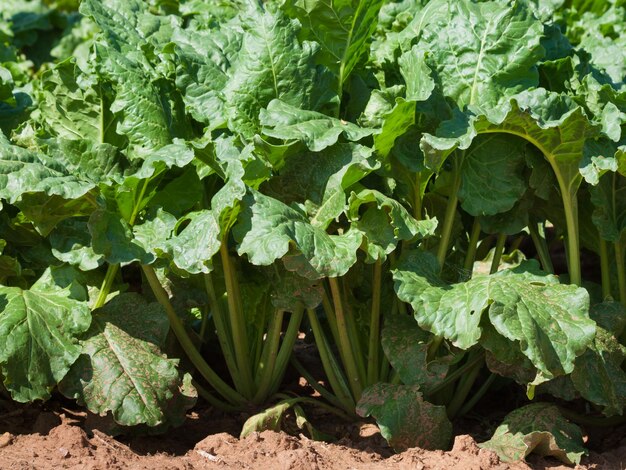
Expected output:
(6, 439)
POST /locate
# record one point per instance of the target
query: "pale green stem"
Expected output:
(312, 401)
(213, 400)
(570, 205)
(331, 367)
(324, 392)
(497, 255)
(454, 375)
(330, 316)
(223, 331)
(112, 269)
(472, 247)
(187, 344)
(621, 271)
(605, 269)
(264, 372)
(463, 389)
(354, 334)
(373, 357)
(237, 324)
(541, 245)
(434, 347)
(417, 196)
(345, 346)
(286, 348)
(105, 289)
(471, 403)
(448, 221)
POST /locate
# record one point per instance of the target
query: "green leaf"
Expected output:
(492, 178)
(320, 180)
(609, 201)
(73, 107)
(149, 110)
(548, 321)
(538, 428)
(599, 376)
(23, 171)
(268, 420)
(406, 346)
(193, 248)
(482, 52)
(271, 64)
(45, 212)
(396, 113)
(204, 57)
(99, 163)
(342, 27)
(39, 328)
(71, 243)
(289, 289)
(384, 223)
(155, 231)
(121, 369)
(316, 130)
(551, 122)
(397, 409)
(267, 229)
(112, 237)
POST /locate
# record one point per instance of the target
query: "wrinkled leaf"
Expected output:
(538, 428)
(40, 327)
(122, 369)
(549, 320)
(404, 418)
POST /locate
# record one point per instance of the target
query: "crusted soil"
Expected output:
(37, 438)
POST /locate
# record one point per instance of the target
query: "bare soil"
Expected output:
(37, 437)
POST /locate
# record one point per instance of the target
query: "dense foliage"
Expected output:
(185, 185)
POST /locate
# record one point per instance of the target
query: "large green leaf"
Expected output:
(112, 237)
(396, 114)
(538, 428)
(406, 346)
(405, 418)
(149, 110)
(343, 28)
(320, 180)
(548, 321)
(71, 243)
(316, 130)
(549, 121)
(39, 328)
(271, 64)
(193, 248)
(267, 229)
(482, 52)
(121, 369)
(492, 178)
(384, 222)
(204, 57)
(23, 171)
(45, 212)
(73, 107)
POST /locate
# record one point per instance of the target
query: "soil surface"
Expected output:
(34, 437)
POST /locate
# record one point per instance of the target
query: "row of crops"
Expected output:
(434, 192)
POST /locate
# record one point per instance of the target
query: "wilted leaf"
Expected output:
(538, 428)
(404, 418)
(122, 369)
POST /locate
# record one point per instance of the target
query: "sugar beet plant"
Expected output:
(188, 185)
